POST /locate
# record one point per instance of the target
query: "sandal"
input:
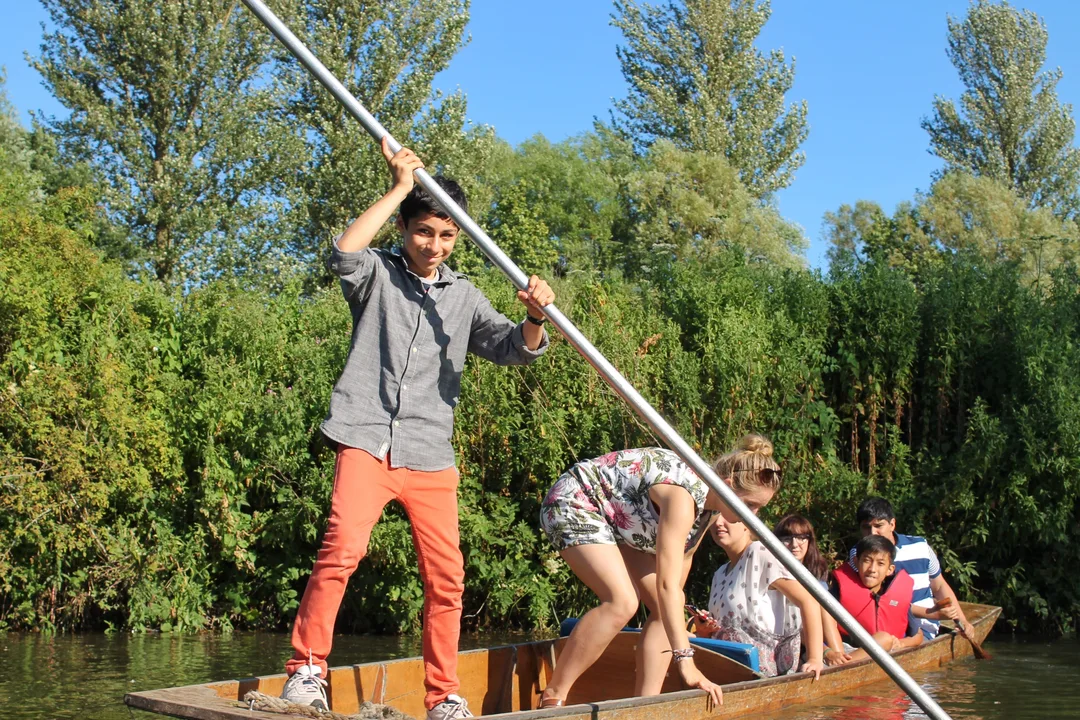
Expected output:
(550, 702)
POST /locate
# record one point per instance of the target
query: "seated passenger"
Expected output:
(914, 555)
(755, 600)
(797, 534)
(877, 595)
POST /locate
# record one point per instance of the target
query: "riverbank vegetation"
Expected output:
(169, 338)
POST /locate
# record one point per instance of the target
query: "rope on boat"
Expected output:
(255, 700)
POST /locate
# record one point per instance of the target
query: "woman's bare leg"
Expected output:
(653, 650)
(601, 568)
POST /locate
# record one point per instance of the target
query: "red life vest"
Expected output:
(886, 612)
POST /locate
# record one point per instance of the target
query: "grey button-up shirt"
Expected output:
(396, 396)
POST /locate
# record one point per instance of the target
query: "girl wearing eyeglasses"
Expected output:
(798, 536)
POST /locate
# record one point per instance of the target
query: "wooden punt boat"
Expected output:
(505, 682)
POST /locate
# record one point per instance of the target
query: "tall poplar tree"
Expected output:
(696, 79)
(1010, 125)
(169, 102)
(387, 55)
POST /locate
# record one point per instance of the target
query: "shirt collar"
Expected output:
(446, 275)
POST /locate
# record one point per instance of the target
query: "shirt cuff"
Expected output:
(518, 338)
(346, 263)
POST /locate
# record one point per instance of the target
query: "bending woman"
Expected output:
(798, 536)
(627, 524)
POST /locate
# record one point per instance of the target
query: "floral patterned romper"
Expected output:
(606, 501)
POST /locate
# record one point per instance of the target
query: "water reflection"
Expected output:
(86, 676)
(1027, 680)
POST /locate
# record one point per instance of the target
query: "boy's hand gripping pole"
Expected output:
(612, 376)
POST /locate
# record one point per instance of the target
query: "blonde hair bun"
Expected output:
(755, 443)
(742, 467)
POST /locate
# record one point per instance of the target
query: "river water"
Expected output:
(85, 676)
(1027, 679)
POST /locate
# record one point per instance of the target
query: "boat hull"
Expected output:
(505, 682)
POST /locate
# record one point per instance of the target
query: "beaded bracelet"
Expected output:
(683, 654)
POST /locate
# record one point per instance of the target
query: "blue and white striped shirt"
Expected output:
(915, 556)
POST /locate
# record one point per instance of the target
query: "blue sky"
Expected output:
(868, 70)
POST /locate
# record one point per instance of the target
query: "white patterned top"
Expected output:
(747, 611)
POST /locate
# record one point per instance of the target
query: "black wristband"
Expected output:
(535, 321)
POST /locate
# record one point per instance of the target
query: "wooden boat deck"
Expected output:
(505, 682)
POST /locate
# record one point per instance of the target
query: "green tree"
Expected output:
(692, 205)
(863, 232)
(875, 311)
(34, 178)
(387, 54)
(984, 216)
(1010, 125)
(961, 213)
(697, 79)
(19, 184)
(575, 189)
(170, 103)
(848, 228)
(516, 225)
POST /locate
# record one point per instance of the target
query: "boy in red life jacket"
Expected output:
(878, 596)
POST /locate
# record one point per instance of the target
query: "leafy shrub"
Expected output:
(162, 466)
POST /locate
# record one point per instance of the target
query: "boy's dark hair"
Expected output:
(875, 544)
(875, 508)
(420, 202)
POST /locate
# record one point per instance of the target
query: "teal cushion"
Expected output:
(739, 652)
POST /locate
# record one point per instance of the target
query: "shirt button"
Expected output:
(404, 387)
(396, 423)
(414, 348)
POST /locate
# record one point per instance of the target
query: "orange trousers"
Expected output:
(363, 485)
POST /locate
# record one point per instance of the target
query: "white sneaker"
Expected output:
(452, 708)
(305, 687)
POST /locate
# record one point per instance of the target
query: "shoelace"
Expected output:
(312, 675)
(462, 708)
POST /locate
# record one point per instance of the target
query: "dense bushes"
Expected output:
(160, 461)
(162, 467)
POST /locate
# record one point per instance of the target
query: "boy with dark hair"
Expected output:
(915, 556)
(391, 418)
(877, 595)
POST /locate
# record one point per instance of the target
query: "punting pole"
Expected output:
(611, 375)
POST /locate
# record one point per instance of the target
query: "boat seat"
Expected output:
(739, 652)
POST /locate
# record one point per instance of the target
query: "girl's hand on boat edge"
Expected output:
(814, 666)
(836, 657)
(693, 678)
